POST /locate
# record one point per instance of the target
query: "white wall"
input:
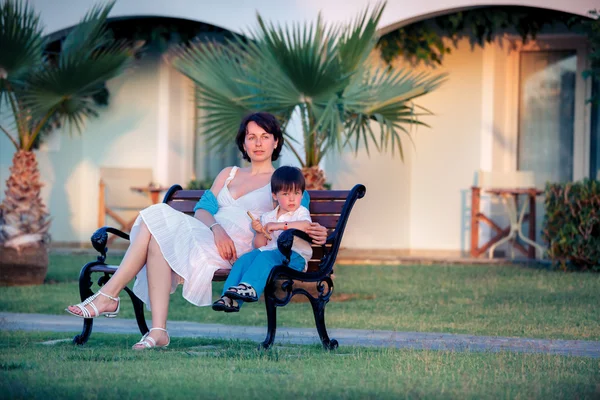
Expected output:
(146, 125)
(176, 99)
(447, 155)
(422, 203)
(124, 135)
(419, 204)
(381, 220)
(7, 149)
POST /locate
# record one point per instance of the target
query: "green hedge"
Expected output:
(572, 224)
(195, 184)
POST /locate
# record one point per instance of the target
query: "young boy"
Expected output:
(251, 271)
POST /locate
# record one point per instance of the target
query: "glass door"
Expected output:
(208, 162)
(546, 122)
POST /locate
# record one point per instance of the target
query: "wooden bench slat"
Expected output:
(328, 215)
(187, 195)
(333, 207)
(318, 252)
(316, 207)
(328, 221)
(313, 266)
(221, 275)
(185, 206)
(314, 194)
(328, 194)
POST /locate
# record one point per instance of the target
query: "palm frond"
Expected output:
(47, 91)
(359, 39)
(81, 78)
(88, 36)
(21, 40)
(322, 71)
(66, 92)
(268, 79)
(231, 85)
(305, 53)
(219, 74)
(385, 97)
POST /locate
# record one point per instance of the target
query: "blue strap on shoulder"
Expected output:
(208, 202)
(305, 199)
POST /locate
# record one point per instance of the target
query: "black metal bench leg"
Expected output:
(83, 337)
(138, 307)
(85, 291)
(271, 322)
(318, 306)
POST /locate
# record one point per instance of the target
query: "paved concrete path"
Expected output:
(347, 337)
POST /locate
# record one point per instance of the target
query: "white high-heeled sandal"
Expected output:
(85, 313)
(149, 342)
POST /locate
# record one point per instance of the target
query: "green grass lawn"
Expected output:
(480, 300)
(216, 369)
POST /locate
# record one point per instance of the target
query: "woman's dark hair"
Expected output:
(287, 179)
(266, 121)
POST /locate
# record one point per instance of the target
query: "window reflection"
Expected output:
(546, 114)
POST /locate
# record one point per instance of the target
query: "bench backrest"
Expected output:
(329, 208)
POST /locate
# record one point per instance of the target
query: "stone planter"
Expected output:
(27, 267)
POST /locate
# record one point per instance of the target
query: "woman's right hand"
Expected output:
(317, 232)
(224, 244)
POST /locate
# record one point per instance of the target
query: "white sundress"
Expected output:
(189, 246)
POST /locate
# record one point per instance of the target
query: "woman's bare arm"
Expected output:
(204, 216)
(224, 244)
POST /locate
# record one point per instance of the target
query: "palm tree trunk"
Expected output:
(24, 220)
(314, 177)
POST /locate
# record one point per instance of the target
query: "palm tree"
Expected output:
(323, 73)
(40, 91)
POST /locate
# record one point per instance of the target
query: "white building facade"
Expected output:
(420, 205)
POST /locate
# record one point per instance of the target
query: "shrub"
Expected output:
(195, 184)
(572, 224)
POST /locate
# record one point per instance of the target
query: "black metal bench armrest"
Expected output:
(284, 244)
(100, 238)
(286, 240)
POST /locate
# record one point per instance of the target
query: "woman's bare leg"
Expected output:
(132, 263)
(159, 289)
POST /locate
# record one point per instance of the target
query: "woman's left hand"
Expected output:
(317, 232)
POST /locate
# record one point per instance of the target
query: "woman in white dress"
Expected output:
(169, 248)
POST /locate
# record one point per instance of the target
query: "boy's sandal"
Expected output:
(148, 343)
(242, 292)
(85, 313)
(226, 304)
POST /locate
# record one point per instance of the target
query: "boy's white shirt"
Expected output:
(300, 246)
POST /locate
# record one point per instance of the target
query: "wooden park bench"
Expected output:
(330, 208)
